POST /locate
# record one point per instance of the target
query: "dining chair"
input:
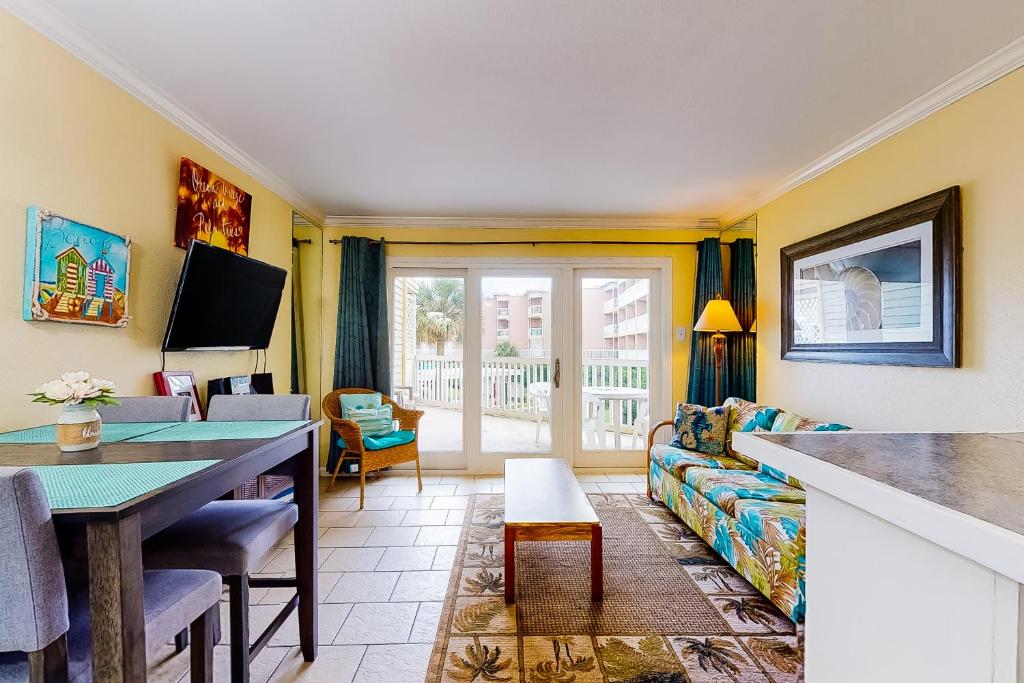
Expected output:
(230, 537)
(147, 409)
(44, 634)
(372, 459)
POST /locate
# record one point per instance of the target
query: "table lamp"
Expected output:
(718, 317)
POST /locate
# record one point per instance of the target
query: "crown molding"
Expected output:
(990, 69)
(583, 223)
(47, 20)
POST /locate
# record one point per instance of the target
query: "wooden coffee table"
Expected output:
(544, 502)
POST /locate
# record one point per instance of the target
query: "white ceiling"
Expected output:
(683, 108)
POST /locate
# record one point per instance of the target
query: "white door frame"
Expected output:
(563, 271)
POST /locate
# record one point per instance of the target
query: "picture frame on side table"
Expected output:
(884, 290)
(180, 383)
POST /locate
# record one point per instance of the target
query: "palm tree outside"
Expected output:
(440, 312)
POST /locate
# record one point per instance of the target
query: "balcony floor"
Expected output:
(441, 430)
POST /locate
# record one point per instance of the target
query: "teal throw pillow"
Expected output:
(831, 427)
(360, 401)
(700, 429)
(373, 421)
(762, 421)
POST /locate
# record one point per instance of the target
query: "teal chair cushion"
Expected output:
(399, 438)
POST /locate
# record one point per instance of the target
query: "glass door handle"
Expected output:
(557, 377)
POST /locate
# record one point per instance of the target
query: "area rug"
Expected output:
(672, 611)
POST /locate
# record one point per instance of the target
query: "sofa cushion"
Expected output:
(773, 521)
(676, 460)
(725, 487)
(780, 475)
(741, 412)
(701, 429)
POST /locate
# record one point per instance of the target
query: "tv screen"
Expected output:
(224, 301)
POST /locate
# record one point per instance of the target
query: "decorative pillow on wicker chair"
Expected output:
(359, 402)
(700, 429)
(373, 422)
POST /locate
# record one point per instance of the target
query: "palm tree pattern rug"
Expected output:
(673, 612)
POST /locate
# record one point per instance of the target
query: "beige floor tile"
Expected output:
(425, 518)
(590, 487)
(450, 503)
(370, 492)
(439, 489)
(381, 518)
(334, 664)
(411, 503)
(419, 586)
(394, 664)
(329, 621)
(392, 535)
(444, 558)
(625, 477)
(591, 476)
(381, 503)
(467, 489)
(455, 517)
(378, 623)
(406, 558)
(364, 587)
(344, 538)
(617, 487)
(424, 629)
(347, 518)
(438, 535)
(339, 504)
(458, 478)
(403, 490)
(352, 559)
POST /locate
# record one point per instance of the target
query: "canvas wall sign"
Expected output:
(883, 290)
(212, 210)
(74, 273)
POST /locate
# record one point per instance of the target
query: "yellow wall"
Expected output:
(75, 143)
(977, 143)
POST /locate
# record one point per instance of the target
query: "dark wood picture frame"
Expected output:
(943, 210)
(165, 387)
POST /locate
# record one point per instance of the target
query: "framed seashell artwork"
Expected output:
(884, 290)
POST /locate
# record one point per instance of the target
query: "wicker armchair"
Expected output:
(372, 461)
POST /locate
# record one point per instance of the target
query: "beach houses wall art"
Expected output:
(74, 273)
(210, 209)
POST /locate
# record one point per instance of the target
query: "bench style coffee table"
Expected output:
(544, 502)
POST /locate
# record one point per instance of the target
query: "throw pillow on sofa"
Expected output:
(762, 421)
(700, 429)
(791, 422)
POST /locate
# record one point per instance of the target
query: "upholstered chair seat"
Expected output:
(226, 536)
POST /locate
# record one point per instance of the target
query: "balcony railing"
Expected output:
(505, 382)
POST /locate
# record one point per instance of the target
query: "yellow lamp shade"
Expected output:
(718, 316)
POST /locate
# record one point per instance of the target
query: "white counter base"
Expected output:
(884, 604)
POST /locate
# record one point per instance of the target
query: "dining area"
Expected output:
(117, 552)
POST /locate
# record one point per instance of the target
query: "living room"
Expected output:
(529, 342)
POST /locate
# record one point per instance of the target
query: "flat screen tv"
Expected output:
(224, 302)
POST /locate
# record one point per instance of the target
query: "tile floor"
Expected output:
(383, 575)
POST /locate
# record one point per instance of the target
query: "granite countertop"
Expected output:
(980, 475)
(964, 491)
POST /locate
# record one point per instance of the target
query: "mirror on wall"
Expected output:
(307, 270)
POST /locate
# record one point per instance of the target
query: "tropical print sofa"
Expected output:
(751, 514)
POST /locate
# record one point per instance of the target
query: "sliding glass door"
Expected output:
(545, 359)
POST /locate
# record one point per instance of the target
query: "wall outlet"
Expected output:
(680, 334)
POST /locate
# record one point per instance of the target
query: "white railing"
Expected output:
(505, 382)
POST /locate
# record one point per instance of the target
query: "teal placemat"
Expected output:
(112, 432)
(109, 485)
(216, 431)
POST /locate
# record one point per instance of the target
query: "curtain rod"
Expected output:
(535, 242)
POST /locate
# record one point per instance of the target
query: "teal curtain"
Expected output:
(362, 354)
(741, 375)
(701, 384)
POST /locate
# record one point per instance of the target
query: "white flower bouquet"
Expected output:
(76, 388)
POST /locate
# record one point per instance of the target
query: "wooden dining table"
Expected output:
(108, 537)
